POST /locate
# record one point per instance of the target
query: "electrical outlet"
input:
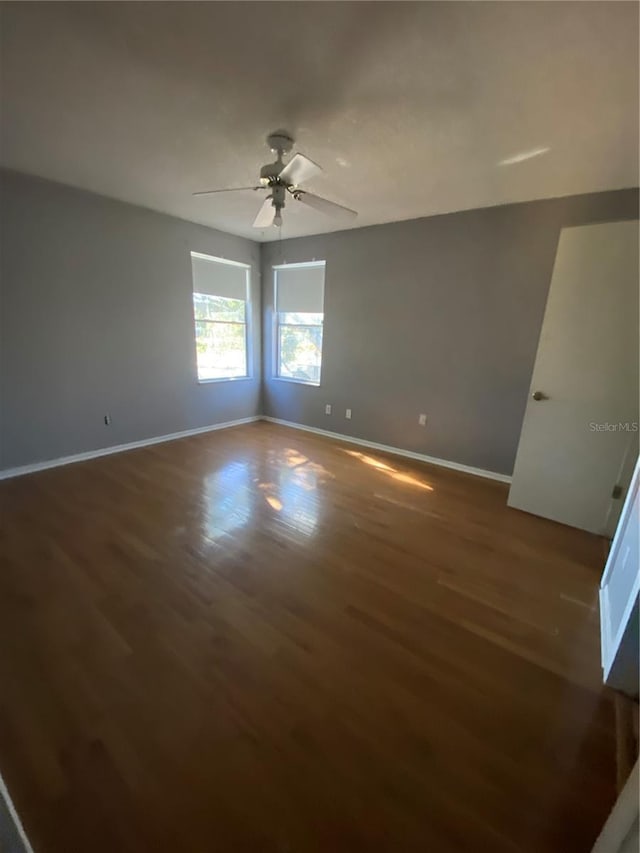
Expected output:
(422, 420)
(107, 419)
(327, 409)
(347, 414)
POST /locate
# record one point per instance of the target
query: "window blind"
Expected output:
(218, 278)
(300, 289)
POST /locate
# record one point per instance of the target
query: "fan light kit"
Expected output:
(282, 180)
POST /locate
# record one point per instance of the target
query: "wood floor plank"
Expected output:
(259, 639)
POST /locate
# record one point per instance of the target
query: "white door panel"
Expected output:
(568, 460)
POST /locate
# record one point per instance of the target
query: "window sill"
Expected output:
(296, 381)
(224, 379)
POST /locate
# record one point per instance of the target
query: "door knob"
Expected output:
(538, 395)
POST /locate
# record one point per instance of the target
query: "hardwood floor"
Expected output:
(263, 640)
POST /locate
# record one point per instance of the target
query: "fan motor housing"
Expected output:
(270, 172)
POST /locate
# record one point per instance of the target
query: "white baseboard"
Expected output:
(397, 451)
(119, 448)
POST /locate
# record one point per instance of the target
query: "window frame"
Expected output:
(277, 325)
(247, 320)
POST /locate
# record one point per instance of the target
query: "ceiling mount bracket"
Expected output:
(280, 142)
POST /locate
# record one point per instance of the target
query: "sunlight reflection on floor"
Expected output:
(227, 495)
(291, 492)
(294, 496)
(384, 468)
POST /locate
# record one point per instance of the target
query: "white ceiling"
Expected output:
(409, 107)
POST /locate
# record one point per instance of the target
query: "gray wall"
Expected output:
(439, 315)
(97, 317)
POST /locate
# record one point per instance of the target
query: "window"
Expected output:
(220, 295)
(299, 307)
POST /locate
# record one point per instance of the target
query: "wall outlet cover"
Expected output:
(347, 414)
(327, 409)
(422, 420)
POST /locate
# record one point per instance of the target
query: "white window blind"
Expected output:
(300, 288)
(219, 278)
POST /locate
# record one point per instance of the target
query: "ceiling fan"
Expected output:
(284, 179)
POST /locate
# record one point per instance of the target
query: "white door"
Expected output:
(581, 419)
(619, 597)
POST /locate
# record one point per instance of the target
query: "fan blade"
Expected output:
(330, 208)
(265, 214)
(232, 190)
(299, 169)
